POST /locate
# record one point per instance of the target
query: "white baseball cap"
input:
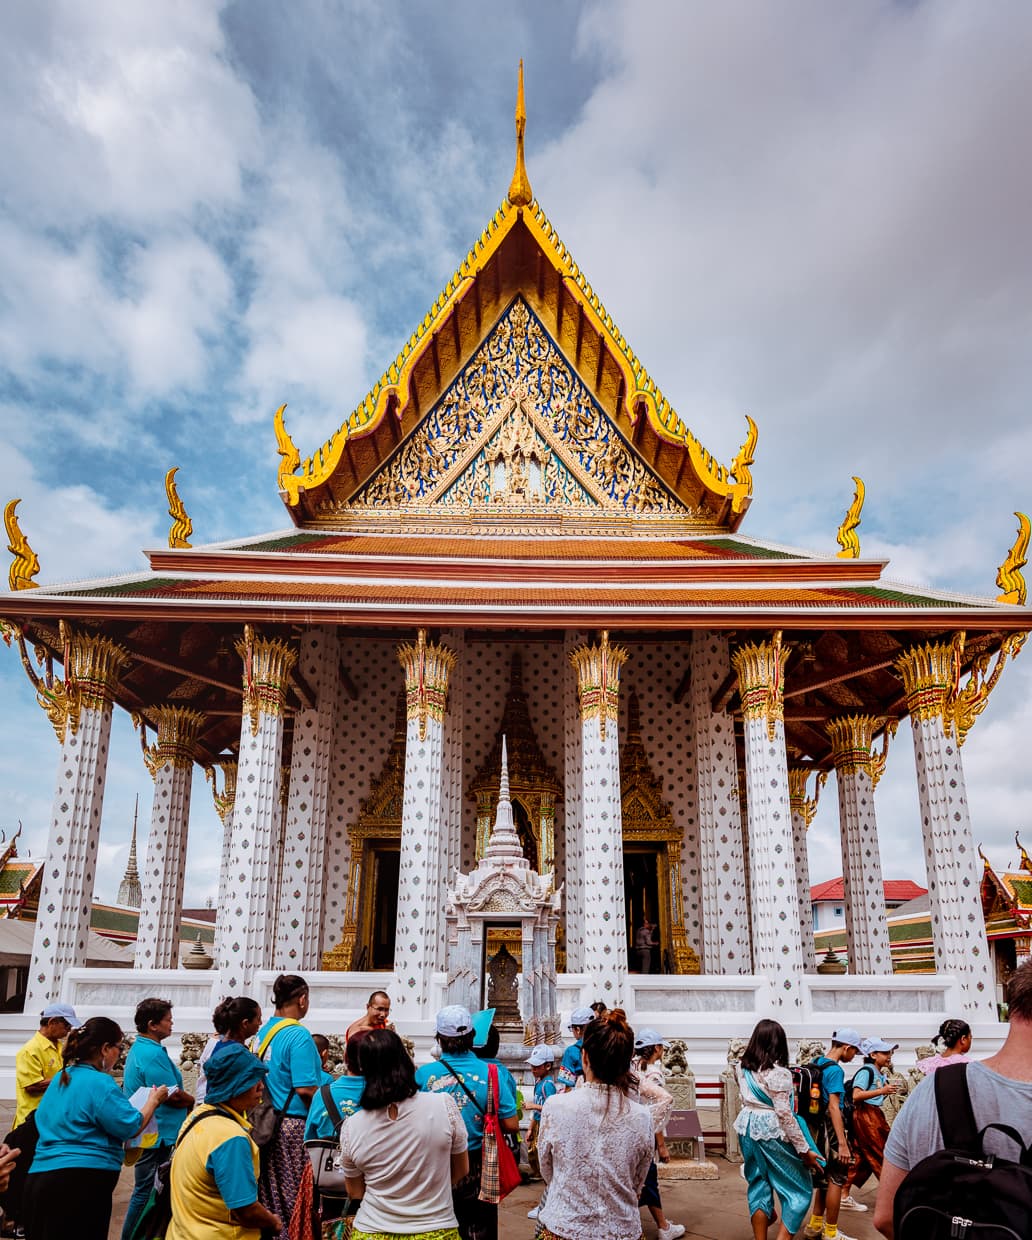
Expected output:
(847, 1037)
(647, 1037)
(454, 1021)
(539, 1056)
(869, 1045)
(581, 1016)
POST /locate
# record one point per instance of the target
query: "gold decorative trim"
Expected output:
(178, 727)
(741, 466)
(268, 662)
(182, 526)
(91, 666)
(25, 564)
(761, 680)
(290, 458)
(969, 702)
(1008, 576)
(804, 806)
(223, 800)
(852, 738)
(520, 193)
(427, 668)
(847, 537)
(598, 681)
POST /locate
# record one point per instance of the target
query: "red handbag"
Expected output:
(499, 1171)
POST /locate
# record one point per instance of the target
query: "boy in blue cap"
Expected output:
(541, 1062)
(571, 1070)
(831, 1138)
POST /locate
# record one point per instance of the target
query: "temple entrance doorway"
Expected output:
(381, 912)
(641, 900)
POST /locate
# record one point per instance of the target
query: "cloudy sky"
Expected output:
(815, 214)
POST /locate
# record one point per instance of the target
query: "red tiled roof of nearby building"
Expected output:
(896, 889)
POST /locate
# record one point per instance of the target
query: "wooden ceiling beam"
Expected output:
(823, 680)
(190, 672)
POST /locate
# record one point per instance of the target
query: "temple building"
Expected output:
(513, 690)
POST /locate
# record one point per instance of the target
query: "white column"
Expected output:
(604, 916)
(777, 943)
(170, 762)
(299, 922)
(81, 715)
(450, 858)
(803, 810)
(256, 809)
(857, 772)
(958, 924)
(224, 808)
(427, 670)
(725, 918)
(573, 808)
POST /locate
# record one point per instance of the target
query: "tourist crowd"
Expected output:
(274, 1145)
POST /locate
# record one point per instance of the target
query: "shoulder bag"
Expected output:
(499, 1172)
(264, 1119)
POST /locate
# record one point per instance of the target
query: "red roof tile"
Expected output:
(896, 889)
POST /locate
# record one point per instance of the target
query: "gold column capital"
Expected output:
(178, 728)
(427, 669)
(804, 806)
(931, 680)
(91, 668)
(224, 799)
(598, 680)
(852, 739)
(268, 662)
(761, 680)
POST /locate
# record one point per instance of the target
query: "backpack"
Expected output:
(849, 1104)
(157, 1212)
(810, 1101)
(264, 1119)
(961, 1191)
(327, 1179)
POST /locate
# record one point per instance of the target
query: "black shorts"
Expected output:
(836, 1169)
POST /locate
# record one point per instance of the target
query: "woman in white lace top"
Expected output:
(777, 1149)
(595, 1144)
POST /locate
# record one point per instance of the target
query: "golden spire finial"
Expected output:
(520, 193)
(1008, 575)
(182, 526)
(847, 537)
(25, 564)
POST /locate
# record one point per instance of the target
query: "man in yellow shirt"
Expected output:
(36, 1063)
(40, 1058)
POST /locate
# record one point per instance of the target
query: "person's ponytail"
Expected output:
(84, 1044)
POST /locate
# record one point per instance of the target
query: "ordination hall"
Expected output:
(516, 709)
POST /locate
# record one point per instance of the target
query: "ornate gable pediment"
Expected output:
(517, 430)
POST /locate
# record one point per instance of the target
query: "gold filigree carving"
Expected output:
(427, 668)
(804, 806)
(852, 739)
(177, 728)
(520, 193)
(847, 537)
(598, 681)
(968, 703)
(290, 458)
(1009, 576)
(25, 564)
(518, 430)
(268, 662)
(761, 676)
(223, 800)
(182, 526)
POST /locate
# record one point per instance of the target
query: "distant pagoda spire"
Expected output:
(520, 193)
(130, 892)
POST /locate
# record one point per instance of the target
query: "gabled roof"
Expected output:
(900, 889)
(518, 254)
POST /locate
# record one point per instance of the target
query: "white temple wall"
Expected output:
(654, 670)
(363, 738)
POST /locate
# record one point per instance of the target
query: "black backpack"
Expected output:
(808, 1090)
(848, 1101)
(961, 1192)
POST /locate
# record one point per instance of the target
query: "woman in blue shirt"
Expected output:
(83, 1120)
(295, 1073)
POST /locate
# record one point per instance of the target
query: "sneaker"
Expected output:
(533, 1213)
(812, 1232)
(848, 1203)
(671, 1232)
(839, 1235)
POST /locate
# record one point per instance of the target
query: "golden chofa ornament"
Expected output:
(25, 564)
(182, 526)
